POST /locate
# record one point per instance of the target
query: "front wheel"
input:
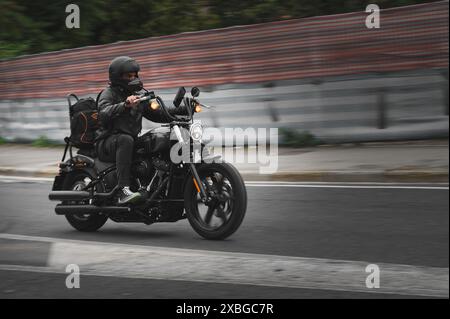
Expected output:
(223, 215)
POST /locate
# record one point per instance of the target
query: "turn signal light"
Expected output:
(198, 108)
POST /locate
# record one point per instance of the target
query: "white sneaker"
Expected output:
(127, 196)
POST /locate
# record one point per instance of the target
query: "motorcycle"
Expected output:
(209, 192)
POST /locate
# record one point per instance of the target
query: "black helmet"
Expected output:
(121, 65)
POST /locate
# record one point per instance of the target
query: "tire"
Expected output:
(230, 212)
(82, 222)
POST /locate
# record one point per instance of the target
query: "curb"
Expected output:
(412, 176)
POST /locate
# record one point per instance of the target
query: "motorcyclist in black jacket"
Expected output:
(120, 117)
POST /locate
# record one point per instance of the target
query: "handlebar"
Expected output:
(187, 109)
(167, 112)
(171, 113)
(145, 98)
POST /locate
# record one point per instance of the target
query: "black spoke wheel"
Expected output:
(82, 222)
(224, 213)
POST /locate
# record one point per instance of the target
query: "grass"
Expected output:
(294, 138)
(43, 141)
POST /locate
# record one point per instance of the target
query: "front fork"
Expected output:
(195, 177)
(198, 183)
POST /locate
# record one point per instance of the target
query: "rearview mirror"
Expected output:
(179, 97)
(195, 91)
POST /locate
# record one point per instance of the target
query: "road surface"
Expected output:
(298, 240)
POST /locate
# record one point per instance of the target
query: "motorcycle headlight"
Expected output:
(153, 104)
(196, 132)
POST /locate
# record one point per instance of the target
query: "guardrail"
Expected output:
(360, 108)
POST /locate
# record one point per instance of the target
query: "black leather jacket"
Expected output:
(114, 117)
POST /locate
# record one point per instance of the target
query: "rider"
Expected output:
(120, 117)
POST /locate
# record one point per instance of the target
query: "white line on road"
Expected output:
(7, 178)
(149, 262)
(362, 185)
(346, 186)
(350, 183)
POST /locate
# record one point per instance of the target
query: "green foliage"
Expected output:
(293, 138)
(38, 26)
(43, 141)
(2, 141)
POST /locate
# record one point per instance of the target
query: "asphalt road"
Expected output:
(401, 226)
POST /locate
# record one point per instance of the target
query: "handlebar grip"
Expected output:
(145, 98)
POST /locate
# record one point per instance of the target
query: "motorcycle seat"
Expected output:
(90, 152)
(101, 166)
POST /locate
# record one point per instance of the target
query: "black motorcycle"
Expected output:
(210, 193)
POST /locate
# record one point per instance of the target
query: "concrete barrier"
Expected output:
(396, 106)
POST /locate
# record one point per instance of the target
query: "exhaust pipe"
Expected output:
(79, 195)
(89, 209)
(68, 195)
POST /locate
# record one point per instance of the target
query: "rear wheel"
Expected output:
(221, 217)
(82, 222)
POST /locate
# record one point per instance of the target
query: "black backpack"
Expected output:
(83, 122)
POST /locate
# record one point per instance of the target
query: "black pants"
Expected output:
(118, 148)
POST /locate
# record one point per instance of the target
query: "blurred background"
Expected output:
(362, 166)
(312, 69)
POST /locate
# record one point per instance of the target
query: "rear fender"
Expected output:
(74, 165)
(58, 182)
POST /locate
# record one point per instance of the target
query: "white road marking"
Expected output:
(6, 178)
(346, 186)
(149, 262)
(348, 183)
(362, 185)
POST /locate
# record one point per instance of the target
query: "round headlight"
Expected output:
(196, 132)
(154, 105)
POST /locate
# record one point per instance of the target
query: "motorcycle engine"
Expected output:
(144, 170)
